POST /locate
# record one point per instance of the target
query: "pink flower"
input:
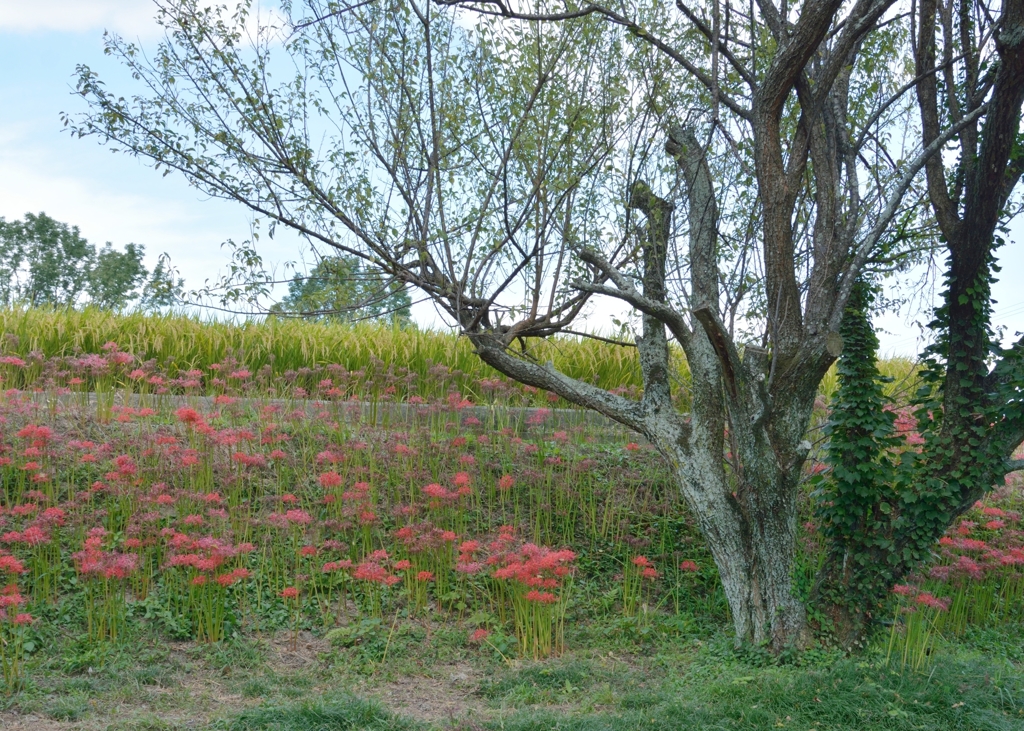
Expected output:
(188, 416)
(929, 600)
(299, 517)
(689, 566)
(479, 635)
(541, 597)
(330, 479)
(290, 592)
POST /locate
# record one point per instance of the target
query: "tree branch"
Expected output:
(503, 11)
(861, 254)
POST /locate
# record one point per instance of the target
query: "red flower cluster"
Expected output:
(531, 566)
(93, 561)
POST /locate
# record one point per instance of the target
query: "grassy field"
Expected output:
(215, 544)
(174, 344)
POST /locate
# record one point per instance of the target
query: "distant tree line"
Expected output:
(46, 262)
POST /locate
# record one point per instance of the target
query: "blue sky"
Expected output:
(112, 197)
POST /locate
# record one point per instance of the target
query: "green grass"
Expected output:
(711, 692)
(345, 713)
(607, 682)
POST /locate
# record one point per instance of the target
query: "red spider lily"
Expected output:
(929, 600)
(689, 566)
(52, 516)
(290, 517)
(249, 460)
(11, 598)
(189, 416)
(330, 479)
(10, 565)
(536, 567)
(541, 597)
(92, 561)
(372, 572)
(31, 536)
(970, 544)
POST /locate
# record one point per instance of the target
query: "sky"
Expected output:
(116, 198)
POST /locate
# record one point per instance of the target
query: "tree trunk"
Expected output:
(753, 546)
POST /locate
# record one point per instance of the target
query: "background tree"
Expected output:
(510, 170)
(116, 276)
(46, 262)
(164, 288)
(340, 288)
(969, 66)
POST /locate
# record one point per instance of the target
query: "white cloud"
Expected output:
(115, 198)
(126, 17)
(129, 18)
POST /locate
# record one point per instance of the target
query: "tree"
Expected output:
(509, 170)
(969, 66)
(164, 288)
(115, 276)
(339, 288)
(46, 262)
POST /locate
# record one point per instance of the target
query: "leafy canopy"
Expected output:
(46, 262)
